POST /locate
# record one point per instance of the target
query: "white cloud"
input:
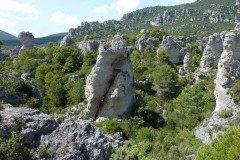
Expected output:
(17, 10)
(124, 6)
(101, 9)
(94, 18)
(60, 18)
(4, 23)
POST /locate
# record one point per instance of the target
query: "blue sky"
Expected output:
(45, 17)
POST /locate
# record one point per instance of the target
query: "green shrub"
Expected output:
(13, 149)
(45, 152)
(225, 113)
(109, 126)
(225, 146)
(234, 91)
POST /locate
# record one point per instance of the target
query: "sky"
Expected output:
(46, 17)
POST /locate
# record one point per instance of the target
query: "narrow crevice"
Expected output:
(111, 81)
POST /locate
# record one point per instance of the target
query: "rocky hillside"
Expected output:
(203, 17)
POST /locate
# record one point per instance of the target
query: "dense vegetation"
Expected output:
(162, 121)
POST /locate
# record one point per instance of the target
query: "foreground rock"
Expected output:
(28, 123)
(74, 138)
(228, 72)
(88, 45)
(80, 140)
(110, 87)
(27, 40)
(173, 49)
(67, 41)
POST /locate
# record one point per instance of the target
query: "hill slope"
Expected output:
(203, 17)
(38, 41)
(6, 36)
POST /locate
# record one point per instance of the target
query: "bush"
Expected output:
(234, 91)
(225, 146)
(13, 149)
(44, 152)
(225, 113)
(109, 126)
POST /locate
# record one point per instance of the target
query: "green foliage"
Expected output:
(153, 144)
(13, 148)
(1, 43)
(56, 95)
(234, 91)
(196, 57)
(90, 58)
(225, 146)
(166, 81)
(45, 152)
(190, 107)
(156, 33)
(130, 38)
(225, 114)
(109, 126)
(76, 94)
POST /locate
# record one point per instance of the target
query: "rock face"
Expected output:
(27, 40)
(14, 52)
(173, 49)
(228, 72)
(110, 87)
(186, 61)
(91, 45)
(237, 2)
(145, 42)
(29, 123)
(74, 138)
(237, 28)
(81, 140)
(212, 52)
(36, 94)
(67, 41)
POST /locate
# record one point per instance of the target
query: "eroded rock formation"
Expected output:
(212, 52)
(228, 72)
(110, 87)
(173, 49)
(145, 42)
(88, 45)
(27, 40)
(67, 41)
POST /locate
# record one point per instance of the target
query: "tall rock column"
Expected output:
(110, 87)
(228, 73)
(27, 40)
(212, 52)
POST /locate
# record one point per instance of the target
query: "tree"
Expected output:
(56, 94)
(156, 33)
(165, 81)
(1, 43)
(13, 148)
(77, 92)
(225, 146)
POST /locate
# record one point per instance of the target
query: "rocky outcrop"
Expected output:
(186, 61)
(28, 123)
(89, 45)
(67, 41)
(228, 72)
(73, 138)
(27, 40)
(145, 42)
(212, 52)
(110, 87)
(237, 2)
(14, 52)
(173, 49)
(81, 140)
(237, 28)
(36, 94)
